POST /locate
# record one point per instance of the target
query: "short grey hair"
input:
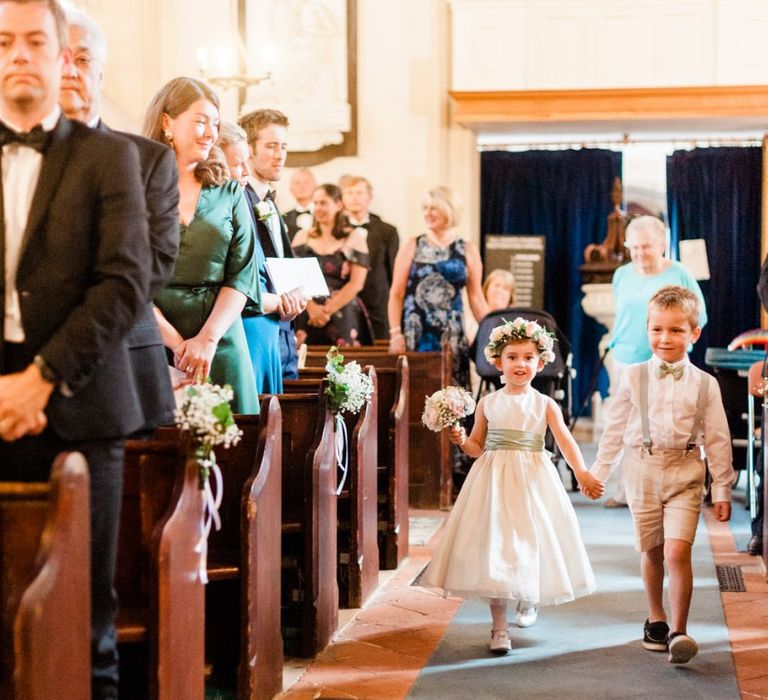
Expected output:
(649, 224)
(230, 134)
(77, 18)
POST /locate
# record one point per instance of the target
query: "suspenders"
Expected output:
(644, 425)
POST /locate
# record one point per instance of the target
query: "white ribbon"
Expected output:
(341, 450)
(211, 502)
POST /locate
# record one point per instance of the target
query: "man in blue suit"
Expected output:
(267, 131)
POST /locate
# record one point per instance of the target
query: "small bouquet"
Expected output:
(445, 408)
(206, 415)
(349, 388)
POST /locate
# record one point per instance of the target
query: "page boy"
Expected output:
(665, 410)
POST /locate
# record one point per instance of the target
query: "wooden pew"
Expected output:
(45, 583)
(160, 624)
(309, 592)
(430, 472)
(392, 425)
(244, 647)
(357, 541)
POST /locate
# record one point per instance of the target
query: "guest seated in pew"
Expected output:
(262, 326)
(217, 269)
(342, 251)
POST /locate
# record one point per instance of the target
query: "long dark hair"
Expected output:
(341, 227)
(174, 98)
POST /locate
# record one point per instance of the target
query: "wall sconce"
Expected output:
(225, 74)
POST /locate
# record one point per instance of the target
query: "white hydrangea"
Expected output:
(206, 414)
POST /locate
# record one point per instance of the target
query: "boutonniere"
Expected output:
(264, 210)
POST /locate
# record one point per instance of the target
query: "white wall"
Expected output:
(404, 143)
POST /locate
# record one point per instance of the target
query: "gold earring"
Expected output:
(168, 136)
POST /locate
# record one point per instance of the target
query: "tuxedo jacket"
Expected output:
(383, 243)
(267, 246)
(83, 278)
(149, 362)
(290, 217)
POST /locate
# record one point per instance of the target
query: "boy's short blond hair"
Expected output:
(680, 299)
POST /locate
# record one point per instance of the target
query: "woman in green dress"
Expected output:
(215, 275)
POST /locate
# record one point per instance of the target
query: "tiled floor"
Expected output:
(379, 652)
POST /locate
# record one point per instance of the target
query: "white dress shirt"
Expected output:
(672, 406)
(272, 222)
(21, 171)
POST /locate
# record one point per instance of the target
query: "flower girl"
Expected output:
(512, 534)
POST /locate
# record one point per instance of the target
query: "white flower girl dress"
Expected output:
(513, 532)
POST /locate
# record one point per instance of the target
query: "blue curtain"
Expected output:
(714, 194)
(566, 197)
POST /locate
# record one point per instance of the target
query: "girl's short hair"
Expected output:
(445, 200)
(679, 299)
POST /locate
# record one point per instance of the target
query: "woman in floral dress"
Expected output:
(425, 303)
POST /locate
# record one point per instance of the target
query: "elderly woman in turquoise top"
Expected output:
(633, 286)
(199, 310)
(635, 283)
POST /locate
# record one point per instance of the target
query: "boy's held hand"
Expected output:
(590, 486)
(722, 511)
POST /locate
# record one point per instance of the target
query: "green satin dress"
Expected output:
(217, 249)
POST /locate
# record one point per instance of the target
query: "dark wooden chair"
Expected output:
(309, 592)
(357, 542)
(45, 607)
(244, 648)
(430, 469)
(160, 625)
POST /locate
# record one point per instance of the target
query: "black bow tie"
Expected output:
(269, 196)
(37, 138)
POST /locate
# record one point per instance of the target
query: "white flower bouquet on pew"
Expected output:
(446, 407)
(206, 415)
(349, 389)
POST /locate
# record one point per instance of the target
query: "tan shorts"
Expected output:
(664, 493)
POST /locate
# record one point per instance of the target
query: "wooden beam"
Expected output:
(476, 108)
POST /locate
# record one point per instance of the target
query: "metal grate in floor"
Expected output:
(730, 579)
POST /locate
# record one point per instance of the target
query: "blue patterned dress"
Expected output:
(432, 308)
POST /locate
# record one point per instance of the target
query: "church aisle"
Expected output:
(578, 650)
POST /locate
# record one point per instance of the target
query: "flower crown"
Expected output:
(520, 329)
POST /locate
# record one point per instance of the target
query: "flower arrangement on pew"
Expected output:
(349, 389)
(446, 407)
(206, 415)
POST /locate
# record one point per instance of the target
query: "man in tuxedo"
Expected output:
(383, 243)
(303, 186)
(267, 131)
(76, 277)
(80, 99)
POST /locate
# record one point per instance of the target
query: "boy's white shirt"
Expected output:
(671, 410)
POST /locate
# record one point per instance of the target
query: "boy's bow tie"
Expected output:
(665, 369)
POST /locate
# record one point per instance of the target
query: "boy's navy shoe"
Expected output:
(655, 636)
(682, 648)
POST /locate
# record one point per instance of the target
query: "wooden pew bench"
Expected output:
(392, 450)
(357, 545)
(430, 469)
(160, 624)
(309, 592)
(244, 648)
(45, 607)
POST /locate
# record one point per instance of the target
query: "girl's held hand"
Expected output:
(722, 511)
(458, 436)
(589, 485)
